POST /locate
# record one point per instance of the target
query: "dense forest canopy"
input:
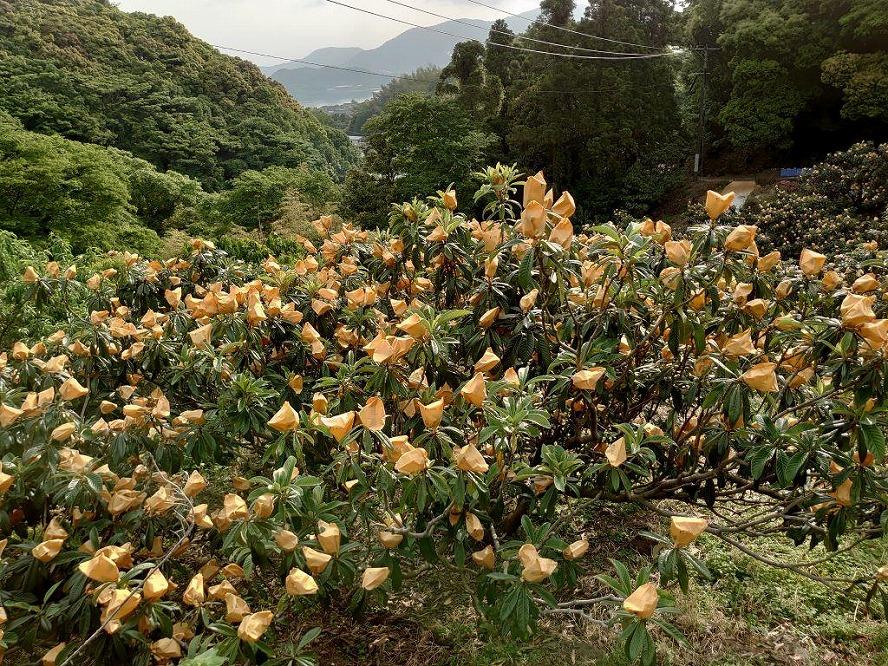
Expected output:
(93, 195)
(90, 72)
(610, 131)
(786, 81)
(792, 77)
(104, 198)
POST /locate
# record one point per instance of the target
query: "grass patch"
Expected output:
(750, 615)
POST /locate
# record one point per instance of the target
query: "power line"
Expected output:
(671, 86)
(628, 56)
(318, 64)
(559, 27)
(503, 32)
(575, 91)
(401, 76)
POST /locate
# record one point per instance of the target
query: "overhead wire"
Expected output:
(407, 77)
(317, 64)
(503, 32)
(577, 56)
(562, 28)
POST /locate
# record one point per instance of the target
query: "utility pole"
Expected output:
(698, 162)
(701, 130)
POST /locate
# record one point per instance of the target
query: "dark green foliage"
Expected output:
(622, 146)
(21, 315)
(499, 61)
(418, 144)
(557, 12)
(105, 198)
(610, 132)
(423, 80)
(789, 70)
(255, 197)
(856, 178)
(159, 198)
(81, 192)
(478, 91)
(90, 72)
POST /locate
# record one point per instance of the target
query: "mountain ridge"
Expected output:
(412, 49)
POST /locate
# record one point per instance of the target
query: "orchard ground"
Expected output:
(751, 615)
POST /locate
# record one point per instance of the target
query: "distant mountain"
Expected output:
(412, 49)
(330, 55)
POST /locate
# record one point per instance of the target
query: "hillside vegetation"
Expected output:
(104, 198)
(423, 80)
(95, 196)
(87, 71)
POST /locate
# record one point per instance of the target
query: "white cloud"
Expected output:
(294, 28)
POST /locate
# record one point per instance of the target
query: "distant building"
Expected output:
(793, 172)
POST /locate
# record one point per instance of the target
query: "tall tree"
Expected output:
(505, 65)
(609, 130)
(417, 145)
(794, 77)
(467, 78)
(497, 60)
(557, 12)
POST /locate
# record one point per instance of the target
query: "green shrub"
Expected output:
(446, 393)
(842, 200)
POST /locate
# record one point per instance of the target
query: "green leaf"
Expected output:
(788, 466)
(209, 658)
(623, 575)
(758, 458)
(524, 279)
(636, 642)
(510, 601)
(308, 637)
(873, 438)
(671, 631)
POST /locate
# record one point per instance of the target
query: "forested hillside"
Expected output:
(85, 192)
(423, 80)
(104, 198)
(90, 72)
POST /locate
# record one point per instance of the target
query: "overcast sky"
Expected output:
(294, 28)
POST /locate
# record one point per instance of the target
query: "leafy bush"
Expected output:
(23, 313)
(856, 178)
(844, 197)
(211, 445)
